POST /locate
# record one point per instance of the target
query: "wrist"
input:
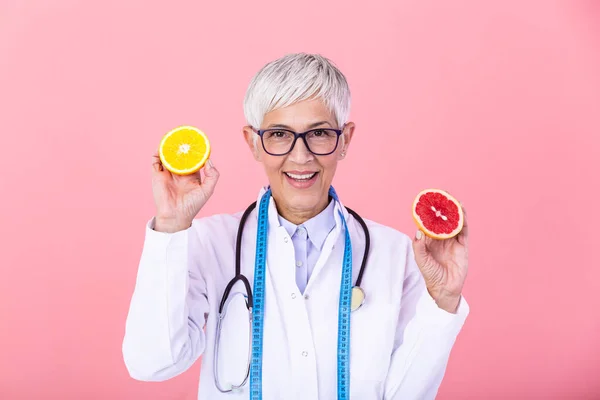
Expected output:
(446, 301)
(170, 225)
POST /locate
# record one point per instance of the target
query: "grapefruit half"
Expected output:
(438, 214)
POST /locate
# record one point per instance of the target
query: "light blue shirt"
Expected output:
(308, 239)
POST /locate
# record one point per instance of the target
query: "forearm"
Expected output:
(419, 363)
(163, 334)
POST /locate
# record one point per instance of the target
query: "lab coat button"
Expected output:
(305, 297)
(285, 239)
(304, 354)
(293, 295)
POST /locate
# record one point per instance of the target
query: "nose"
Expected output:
(300, 153)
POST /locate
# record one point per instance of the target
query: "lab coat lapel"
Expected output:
(333, 246)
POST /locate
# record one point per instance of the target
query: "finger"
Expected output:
(159, 170)
(463, 235)
(420, 248)
(156, 163)
(211, 176)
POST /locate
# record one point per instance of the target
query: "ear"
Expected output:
(346, 138)
(252, 140)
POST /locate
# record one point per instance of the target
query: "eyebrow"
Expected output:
(311, 126)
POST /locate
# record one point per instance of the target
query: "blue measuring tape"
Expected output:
(343, 367)
(343, 350)
(259, 298)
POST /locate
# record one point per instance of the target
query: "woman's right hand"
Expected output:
(179, 198)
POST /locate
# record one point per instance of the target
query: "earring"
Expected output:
(343, 154)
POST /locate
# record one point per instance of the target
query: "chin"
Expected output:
(305, 202)
(303, 199)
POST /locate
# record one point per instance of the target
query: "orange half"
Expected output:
(184, 150)
(438, 214)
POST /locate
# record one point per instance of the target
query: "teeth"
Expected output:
(301, 177)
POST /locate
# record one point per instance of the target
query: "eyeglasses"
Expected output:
(279, 142)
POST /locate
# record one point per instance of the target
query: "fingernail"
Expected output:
(210, 164)
(419, 235)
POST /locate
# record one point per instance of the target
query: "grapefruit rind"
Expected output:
(426, 231)
(187, 171)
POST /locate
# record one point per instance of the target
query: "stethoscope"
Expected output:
(357, 298)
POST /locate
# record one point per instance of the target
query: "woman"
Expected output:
(399, 338)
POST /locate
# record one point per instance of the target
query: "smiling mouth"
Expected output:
(303, 177)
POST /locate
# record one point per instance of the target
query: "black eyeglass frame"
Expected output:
(302, 135)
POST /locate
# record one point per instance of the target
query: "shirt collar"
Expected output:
(318, 227)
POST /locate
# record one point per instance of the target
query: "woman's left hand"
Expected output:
(444, 265)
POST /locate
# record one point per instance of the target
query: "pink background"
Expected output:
(498, 102)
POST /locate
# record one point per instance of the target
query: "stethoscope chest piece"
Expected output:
(358, 298)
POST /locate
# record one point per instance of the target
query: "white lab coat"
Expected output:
(400, 339)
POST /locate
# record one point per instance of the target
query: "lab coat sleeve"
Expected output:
(164, 328)
(424, 339)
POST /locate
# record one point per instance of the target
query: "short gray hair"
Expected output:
(293, 78)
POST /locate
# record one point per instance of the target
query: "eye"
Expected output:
(320, 132)
(277, 134)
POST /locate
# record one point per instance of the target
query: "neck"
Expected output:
(298, 217)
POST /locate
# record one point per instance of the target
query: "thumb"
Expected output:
(211, 175)
(420, 248)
